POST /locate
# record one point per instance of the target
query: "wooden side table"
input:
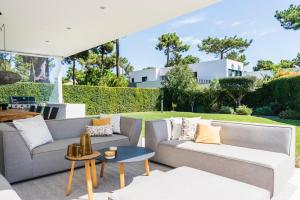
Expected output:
(90, 163)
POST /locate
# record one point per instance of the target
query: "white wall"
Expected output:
(206, 71)
(210, 70)
(151, 74)
(149, 84)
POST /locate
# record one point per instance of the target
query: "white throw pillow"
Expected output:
(115, 121)
(106, 130)
(34, 131)
(189, 126)
(176, 125)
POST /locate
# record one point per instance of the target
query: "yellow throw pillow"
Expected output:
(101, 122)
(208, 134)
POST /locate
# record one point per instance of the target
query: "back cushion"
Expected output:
(264, 137)
(68, 128)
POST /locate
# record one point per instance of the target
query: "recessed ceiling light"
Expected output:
(102, 7)
(68, 28)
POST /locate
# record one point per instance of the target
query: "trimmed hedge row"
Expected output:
(97, 99)
(285, 91)
(112, 99)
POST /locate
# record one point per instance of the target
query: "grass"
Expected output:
(239, 118)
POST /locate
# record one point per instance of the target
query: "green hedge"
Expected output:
(285, 91)
(112, 99)
(97, 99)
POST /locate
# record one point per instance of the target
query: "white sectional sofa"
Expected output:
(257, 154)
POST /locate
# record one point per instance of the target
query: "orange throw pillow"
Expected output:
(101, 122)
(207, 134)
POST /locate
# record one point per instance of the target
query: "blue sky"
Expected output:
(251, 19)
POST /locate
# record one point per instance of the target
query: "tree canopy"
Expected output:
(222, 47)
(179, 80)
(237, 57)
(173, 48)
(297, 60)
(269, 65)
(264, 65)
(237, 87)
(289, 18)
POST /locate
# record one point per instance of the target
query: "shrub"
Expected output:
(97, 99)
(264, 111)
(289, 114)
(226, 110)
(243, 110)
(276, 108)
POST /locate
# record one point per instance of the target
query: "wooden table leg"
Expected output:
(70, 178)
(102, 168)
(88, 180)
(94, 173)
(122, 175)
(147, 167)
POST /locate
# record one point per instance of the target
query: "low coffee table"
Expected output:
(127, 154)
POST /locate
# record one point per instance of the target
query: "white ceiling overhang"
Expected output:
(66, 27)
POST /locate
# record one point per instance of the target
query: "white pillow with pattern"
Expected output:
(189, 126)
(106, 130)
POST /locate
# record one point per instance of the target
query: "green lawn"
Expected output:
(240, 118)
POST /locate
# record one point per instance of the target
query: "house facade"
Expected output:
(204, 73)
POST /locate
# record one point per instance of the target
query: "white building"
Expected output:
(204, 72)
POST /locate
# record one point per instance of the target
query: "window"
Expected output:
(163, 78)
(132, 80)
(195, 74)
(144, 78)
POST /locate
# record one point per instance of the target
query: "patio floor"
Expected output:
(53, 187)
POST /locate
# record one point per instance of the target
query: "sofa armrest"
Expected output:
(17, 157)
(156, 132)
(132, 128)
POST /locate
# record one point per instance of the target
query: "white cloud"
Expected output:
(236, 23)
(188, 21)
(219, 22)
(266, 32)
(191, 40)
(256, 33)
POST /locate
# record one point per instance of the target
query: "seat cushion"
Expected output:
(97, 142)
(6, 191)
(264, 169)
(50, 158)
(191, 184)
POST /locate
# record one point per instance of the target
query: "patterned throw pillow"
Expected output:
(176, 126)
(99, 130)
(189, 126)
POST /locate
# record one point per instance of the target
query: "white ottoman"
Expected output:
(186, 183)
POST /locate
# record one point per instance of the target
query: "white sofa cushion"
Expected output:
(34, 131)
(191, 184)
(265, 169)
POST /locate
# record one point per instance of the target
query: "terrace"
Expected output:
(251, 158)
